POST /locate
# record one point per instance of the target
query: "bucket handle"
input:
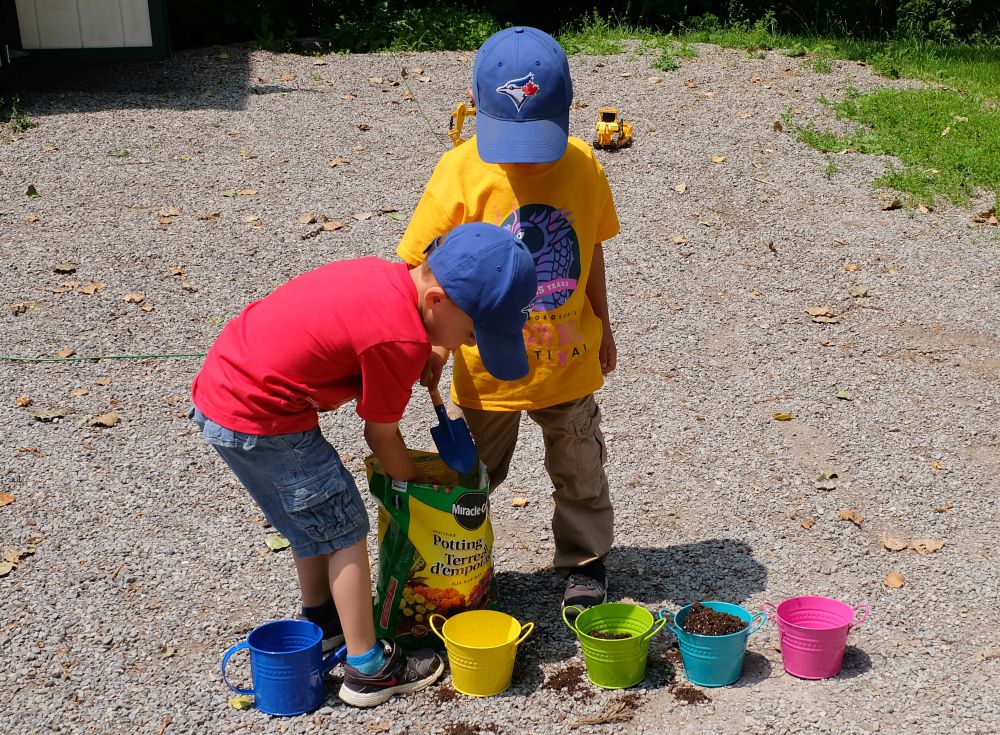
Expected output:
(654, 629)
(570, 623)
(225, 662)
(333, 659)
(437, 632)
(525, 632)
(757, 620)
(863, 607)
(667, 616)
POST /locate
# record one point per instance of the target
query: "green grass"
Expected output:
(948, 142)
(908, 124)
(13, 120)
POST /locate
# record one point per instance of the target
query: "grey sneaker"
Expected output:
(587, 586)
(402, 673)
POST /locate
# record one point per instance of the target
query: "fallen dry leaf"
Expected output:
(680, 240)
(850, 515)
(357, 148)
(893, 580)
(172, 212)
(287, 77)
(890, 205)
(93, 287)
(49, 149)
(924, 209)
(247, 192)
(307, 218)
(80, 392)
(6, 499)
(781, 416)
(23, 400)
(134, 298)
(926, 545)
(852, 267)
(987, 653)
(826, 320)
(339, 161)
(894, 543)
(375, 80)
(718, 159)
(66, 352)
(681, 188)
(777, 127)
(6, 568)
(178, 271)
(944, 508)
(31, 218)
(210, 215)
(319, 62)
(106, 420)
(347, 96)
(332, 224)
(167, 651)
(858, 292)
(362, 126)
(103, 381)
(519, 502)
(808, 523)
(188, 286)
(64, 268)
(251, 218)
(818, 311)
(362, 215)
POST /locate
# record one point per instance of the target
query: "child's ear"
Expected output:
(433, 296)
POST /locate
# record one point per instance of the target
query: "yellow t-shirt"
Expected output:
(560, 210)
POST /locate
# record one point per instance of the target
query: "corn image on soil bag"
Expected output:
(435, 548)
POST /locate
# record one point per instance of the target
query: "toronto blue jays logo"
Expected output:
(519, 90)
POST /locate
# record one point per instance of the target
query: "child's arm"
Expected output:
(387, 443)
(597, 294)
(436, 361)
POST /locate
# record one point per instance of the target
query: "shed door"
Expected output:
(81, 24)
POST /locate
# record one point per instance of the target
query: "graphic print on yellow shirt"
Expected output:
(560, 211)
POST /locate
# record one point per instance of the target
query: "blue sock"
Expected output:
(370, 662)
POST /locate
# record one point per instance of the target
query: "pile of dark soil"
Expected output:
(608, 636)
(706, 621)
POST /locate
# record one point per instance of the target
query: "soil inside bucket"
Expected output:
(703, 620)
(608, 636)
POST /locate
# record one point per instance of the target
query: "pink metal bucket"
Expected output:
(813, 633)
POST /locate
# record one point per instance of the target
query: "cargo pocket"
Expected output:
(590, 449)
(320, 505)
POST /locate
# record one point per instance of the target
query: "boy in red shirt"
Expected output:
(357, 329)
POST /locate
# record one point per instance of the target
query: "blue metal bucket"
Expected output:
(713, 660)
(287, 665)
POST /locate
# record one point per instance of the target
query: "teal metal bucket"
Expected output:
(713, 660)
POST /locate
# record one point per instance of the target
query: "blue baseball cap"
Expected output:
(490, 275)
(523, 93)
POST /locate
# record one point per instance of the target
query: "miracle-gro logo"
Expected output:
(471, 510)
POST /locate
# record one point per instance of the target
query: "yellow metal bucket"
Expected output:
(481, 646)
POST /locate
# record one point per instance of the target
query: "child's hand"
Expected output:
(609, 351)
(431, 375)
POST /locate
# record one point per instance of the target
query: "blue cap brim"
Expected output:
(503, 355)
(521, 141)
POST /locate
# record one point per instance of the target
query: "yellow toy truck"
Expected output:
(611, 130)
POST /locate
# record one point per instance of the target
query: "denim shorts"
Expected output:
(299, 483)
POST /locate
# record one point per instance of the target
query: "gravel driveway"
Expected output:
(180, 185)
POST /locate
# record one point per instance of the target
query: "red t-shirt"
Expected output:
(348, 330)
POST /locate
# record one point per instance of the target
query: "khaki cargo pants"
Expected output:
(575, 453)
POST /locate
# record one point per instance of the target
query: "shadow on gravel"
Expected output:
(657, 578)
(216, 78)
(856, 663)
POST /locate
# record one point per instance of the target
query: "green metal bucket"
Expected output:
(617, 663)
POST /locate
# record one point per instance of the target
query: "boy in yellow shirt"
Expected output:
(523, 172)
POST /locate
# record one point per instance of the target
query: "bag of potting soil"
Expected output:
(435, 548)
